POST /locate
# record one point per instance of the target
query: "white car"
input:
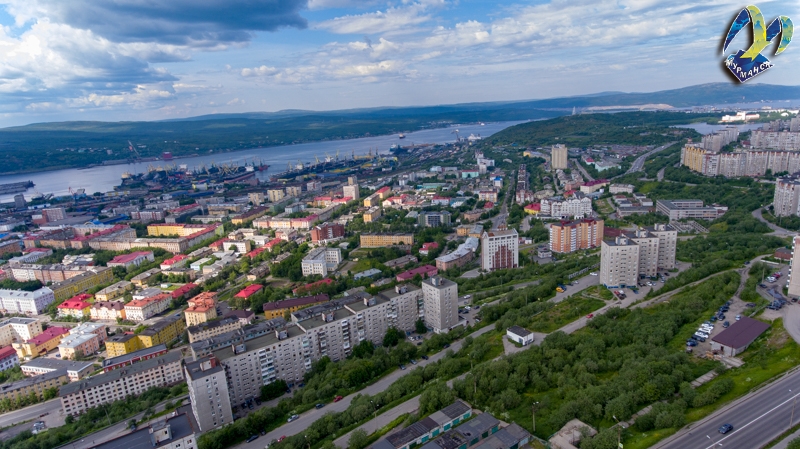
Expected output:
(592, 274)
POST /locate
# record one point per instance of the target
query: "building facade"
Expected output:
(571, 236)
(321, 261)
(441, 304)
(559, 157)
(499, 250)
(208, 393)
(787, 196)
(619, 262)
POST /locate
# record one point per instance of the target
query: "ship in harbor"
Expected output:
(401, 136)
(15, 187)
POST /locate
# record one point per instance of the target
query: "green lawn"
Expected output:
(564, 313)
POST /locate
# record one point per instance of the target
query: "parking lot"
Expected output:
(716, 324)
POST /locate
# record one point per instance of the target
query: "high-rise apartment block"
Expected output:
(619, 262)
(499, 249)
(208, 392)
(641, 253)
(558, 157)
(787, 195)
(351, 191)
(441, 303)
(571, 236)
(275, 195)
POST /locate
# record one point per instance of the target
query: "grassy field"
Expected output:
(564, 313)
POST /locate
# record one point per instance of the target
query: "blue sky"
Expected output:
(150, 60)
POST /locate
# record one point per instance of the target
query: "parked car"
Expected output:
(446, 345)
(590, 316)
(725, 428)
(283, 437)
(762, 285)
(320, 405)
(252, 438)
(402, 366)
(337, 399)
(592, 274)
(691, 343)
(738, 317)
(292, 418)
(424, 357)
(750, 305)
(726, 324)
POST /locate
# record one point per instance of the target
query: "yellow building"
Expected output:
(113, 291)
(381, 240)
(82, 282)
(372, 214)
(40, 344)
(122, 344)
(163, 331)
(693, 157)
(279, 308)
(34, 384)
(372, 200)
(202, 308)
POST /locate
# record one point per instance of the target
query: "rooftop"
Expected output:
(48, 334)
(296, 302)
(33, 380)
(100, 379)
(259, 342)
(318, 321)
(741, 333)
(249, 291)
(180, 427)
(127, 258)
(7, 351)
(133, 355)
(56, 364)
(227, 319)
(521, 331)
(160, 325)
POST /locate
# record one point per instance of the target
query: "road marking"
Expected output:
(754, 420)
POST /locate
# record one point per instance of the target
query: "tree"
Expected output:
(420, 326)
(794, 444)
(393, 337)
(435, 398)
(358, 439)
(273, 390)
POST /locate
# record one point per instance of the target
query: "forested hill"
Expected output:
(630, 128)
(46, 146)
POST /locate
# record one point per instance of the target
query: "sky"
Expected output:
(118, 60)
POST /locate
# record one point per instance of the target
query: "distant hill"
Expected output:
(43, 146)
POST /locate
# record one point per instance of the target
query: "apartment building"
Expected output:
(381, 240)
(18, 329)
(76, 346)
(113, 291)
(162, 332)
(78, 397)
(175, 432)
(208, 393)
(667, 244)
(134, 357)
(75, 370)
(499, 249)
(740, 162)
(575, 207)
(142, 309)
(321, 261)
(8, 358)
(619, 262)
(119, 345)
(571, 236)
(352, 191)
(775, 140)
(793, 279)
(202, 308)
(133, 259)
(648, 252)
(460, 256)
(680, 209)
(40, 344)
(92, 277)
(559, 157)
(327, 232)
(31, 303)
(278, 308)
(107, 310)
(275, 195)
(440, 297)
(787, 196)
(34, 384)
(206, 330)
(76, 307)
(434, 219)
(372, 214)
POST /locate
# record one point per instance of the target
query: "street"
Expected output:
(52, 407)
(777, 231)
(757, 419)
(638, 164)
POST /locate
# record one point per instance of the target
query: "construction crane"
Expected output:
(316, 159)
(337, 155)
(133, 150)
(458, 138)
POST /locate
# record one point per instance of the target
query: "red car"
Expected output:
(281, 438)
(338, 398)
(590, 316)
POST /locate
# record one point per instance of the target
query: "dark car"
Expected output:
(446, 345)
(725, 428)
(320, 405)
(750, 305)
(691, 343)
(402, 366)
(252, 438)
(726, 324)
(263, 432)
(762, 285)
(424, 357)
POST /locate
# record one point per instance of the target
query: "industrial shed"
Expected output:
(735, 339)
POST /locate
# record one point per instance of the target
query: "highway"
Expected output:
(52, 407)
(757, 419)
(638, 164)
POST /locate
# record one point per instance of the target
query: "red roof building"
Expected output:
(7, 351)
(312, 286)
(176, 261)
(134, 258)
(181, 291)
(533, 208)
(48, 334)
(256, 252)
(249, 291)
(425, 271)
(427, 247)
(488, 205)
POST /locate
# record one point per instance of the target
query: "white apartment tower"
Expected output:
(441, 303)
(648, 252)
(667, 244)
(208, 391)
(787, 194)
(558, 157)
(499, 249)
(619, 262)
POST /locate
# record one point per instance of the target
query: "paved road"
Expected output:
(638, 164)
(583, 171)
(777, 231)
(757, 419)
(52, 407)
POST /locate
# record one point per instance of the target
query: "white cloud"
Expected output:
(259, 71)
(393, 19)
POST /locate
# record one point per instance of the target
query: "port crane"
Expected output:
(134, 150)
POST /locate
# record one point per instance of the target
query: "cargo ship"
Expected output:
(15, 187)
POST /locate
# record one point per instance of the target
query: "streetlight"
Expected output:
(619, 431)
(374, 410)
(533, 410)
